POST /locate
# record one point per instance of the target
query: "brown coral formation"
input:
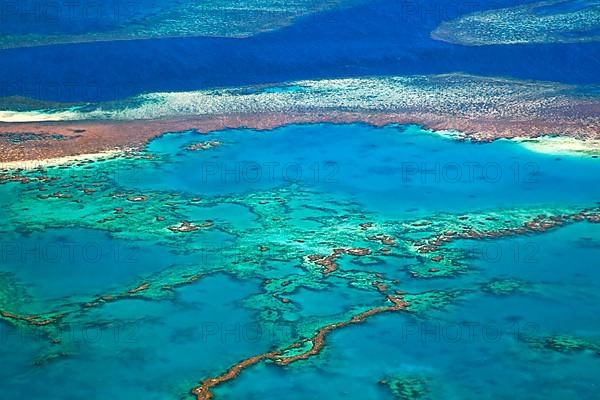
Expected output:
(329, 262)
(40, 321)
(141, 288)
(538, 224)
(187, 226)
(4, 178)
(35, 320)
(203, 145)
(203, 391)
(137, 199)
(358, 251)
(385, 240)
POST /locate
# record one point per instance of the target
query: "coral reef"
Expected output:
(482, 108)
(297, 351)
(297, 239)
(501, 287)
(407, 387)
(203, 145)
(548, 21)
(565, 344)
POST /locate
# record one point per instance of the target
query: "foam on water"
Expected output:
(452, 94)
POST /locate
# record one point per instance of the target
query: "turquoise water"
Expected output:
(412, 170)
(470, 350)
(58, 263)
(167, 344)
(241, 283)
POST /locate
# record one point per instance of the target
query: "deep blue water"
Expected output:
(375, 38)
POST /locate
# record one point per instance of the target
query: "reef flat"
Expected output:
(156, 20)
(475, 108)
(551, 21)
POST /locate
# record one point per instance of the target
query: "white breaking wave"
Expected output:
(454, 94)
(38, 116)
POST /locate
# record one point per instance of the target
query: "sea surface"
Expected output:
(317, 182)
(142, 275)
(363, 38)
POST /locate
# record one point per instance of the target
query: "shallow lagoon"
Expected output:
(396, 170)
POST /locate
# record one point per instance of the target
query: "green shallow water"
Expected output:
(208, 257)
